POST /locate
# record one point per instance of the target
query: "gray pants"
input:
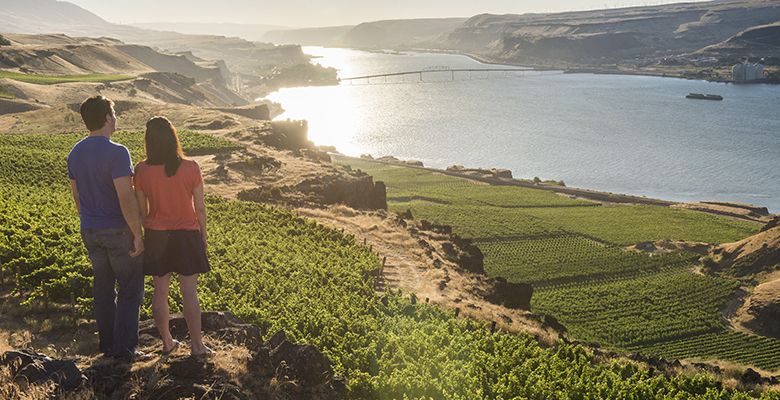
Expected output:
(116, 311)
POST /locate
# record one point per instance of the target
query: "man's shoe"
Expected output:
(135, 356)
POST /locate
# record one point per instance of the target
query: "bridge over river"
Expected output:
(451, 73)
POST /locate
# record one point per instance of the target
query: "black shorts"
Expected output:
(180, 252)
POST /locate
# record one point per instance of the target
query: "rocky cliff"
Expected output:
(615, 35)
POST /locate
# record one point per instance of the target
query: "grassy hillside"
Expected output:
(54, 79)
(573, 253)
(280, 271)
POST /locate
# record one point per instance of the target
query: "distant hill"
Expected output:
(174, 78)
(642, 35)
(252, 32)
(46, 16)
(402, 33)
(326, 36)
(757, 41)
(639, 35)
(61, 17)
(379, 34)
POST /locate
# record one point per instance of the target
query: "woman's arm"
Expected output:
(143, 203)
(200, 210)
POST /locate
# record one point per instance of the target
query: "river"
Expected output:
(618, 133)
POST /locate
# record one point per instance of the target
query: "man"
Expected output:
(100, 173)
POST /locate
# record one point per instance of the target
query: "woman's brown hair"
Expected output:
(162, 145)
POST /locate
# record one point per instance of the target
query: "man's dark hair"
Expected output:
(94, 111)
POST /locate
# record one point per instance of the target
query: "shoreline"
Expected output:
(567, 70)
(588, 194)
(592, 194)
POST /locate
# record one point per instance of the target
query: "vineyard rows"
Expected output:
(575, 259)
(742, 347)
(279, 271)
(567, 258)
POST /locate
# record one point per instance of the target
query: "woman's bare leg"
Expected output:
(160, 311)
(189, 294)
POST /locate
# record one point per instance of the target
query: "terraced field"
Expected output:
(640, 310)
(739, 346)
(554, 260)
(573, 253)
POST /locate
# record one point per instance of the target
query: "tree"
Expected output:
(4, 41)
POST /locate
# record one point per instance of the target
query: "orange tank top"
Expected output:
(171, 201)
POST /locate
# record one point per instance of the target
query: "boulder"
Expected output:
(36, 368)
(257, 112)
(301, 362)
(358, 191)
(751, 377)
(502, 173)
(771, 224)
(426, 225)
(512, 295)
(277, 368)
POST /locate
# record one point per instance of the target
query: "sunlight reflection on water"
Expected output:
(628, 134)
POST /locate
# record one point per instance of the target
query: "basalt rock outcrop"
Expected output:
(771, 224)
(356, 190)
(257, 112)
(458, 250)
(511, 295)
(480, 172)
(29, 367)
(287, 135)
(439, 241)
(245, 367)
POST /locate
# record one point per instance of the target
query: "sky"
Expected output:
(311, 13)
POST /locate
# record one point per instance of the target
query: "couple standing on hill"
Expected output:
(164, 194)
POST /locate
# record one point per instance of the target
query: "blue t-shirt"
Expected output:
(94, 163)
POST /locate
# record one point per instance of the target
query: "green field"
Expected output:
(641, 310)
(406, 184)
(742, 347)
(6, 95)
(573, 253)
(279, 271)
(42, 79)
(567, 258)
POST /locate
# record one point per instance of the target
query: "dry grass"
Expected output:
(412, 270)
(11, 389)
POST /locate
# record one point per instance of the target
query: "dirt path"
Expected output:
(410, 268)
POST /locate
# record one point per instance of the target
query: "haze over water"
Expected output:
(625, 134)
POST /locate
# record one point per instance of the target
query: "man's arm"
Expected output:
(74, 190)
(129, 205)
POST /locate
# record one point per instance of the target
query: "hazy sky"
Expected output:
(302, 13)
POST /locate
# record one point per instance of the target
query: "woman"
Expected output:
(169, 188)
